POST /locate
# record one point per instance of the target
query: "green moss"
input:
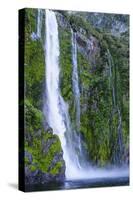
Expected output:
(30, 22)
(33, 117)
(32, 168)
(99, 120)
(43, 160)
(47, 158)
(95, 100)
(56, 168)
(26, 161)
(33, 61)
(65, 64)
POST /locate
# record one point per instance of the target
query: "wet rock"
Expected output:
(63, 23)
(47, 128)
(88, 47)
(47, 150)
(28, 156)
(38, 177)
(38, 133)
(58, 157)
(46, 145)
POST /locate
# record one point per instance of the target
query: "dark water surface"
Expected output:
(75, 184)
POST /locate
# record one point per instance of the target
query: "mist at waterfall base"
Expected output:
(78, 174)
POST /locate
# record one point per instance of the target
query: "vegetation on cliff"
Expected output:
(43, 153)
(103, 68)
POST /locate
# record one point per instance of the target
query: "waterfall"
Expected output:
(75, 85)
(120, 139)
(39, 23)
(116, 109)
(111, 64)
(75, 79)
(56, 109)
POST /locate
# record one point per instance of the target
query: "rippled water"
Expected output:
(75, 184)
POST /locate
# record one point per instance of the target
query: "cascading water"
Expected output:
(56, 108)
(110, 61)
(75, 79)
(118, 154)
(39, 23)
(120, 138)
(75, 85)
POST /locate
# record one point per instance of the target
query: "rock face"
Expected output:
(115, 24)
(44, 159)
(38, 177)
(101, 80)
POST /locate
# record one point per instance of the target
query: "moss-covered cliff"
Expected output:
(104, 78)
(103, 69)
(43, 153)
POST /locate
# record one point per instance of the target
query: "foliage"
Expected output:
(99, 118)
(41, 159)
(36, 139)
(33, 116)
(34, 62)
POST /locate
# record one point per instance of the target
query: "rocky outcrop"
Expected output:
(112, 23)
(38, 177)
(44, 160)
